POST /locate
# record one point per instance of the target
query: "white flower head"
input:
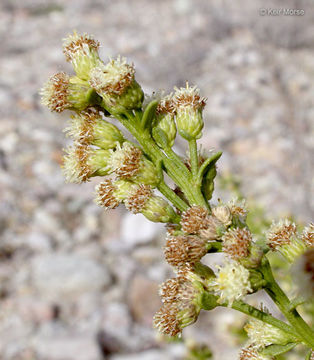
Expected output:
(232, 282)
(261, 334)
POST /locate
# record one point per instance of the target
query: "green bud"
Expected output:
(164, 133)
(82, 52)
(62, 92)
(89, 128)
(116, 84)
(189, 107)
(157, 209)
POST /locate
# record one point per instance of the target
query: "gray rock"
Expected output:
(64, 275)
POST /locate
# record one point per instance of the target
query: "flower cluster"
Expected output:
(133, 172)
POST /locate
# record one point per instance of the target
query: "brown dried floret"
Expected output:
(183, 249)
(138, 198)
(55, 92)
(236, 243)
(75, 43)
(165, 320)
(105, 195)
(194, 219)
(308, 236)
(126, 160)
(280, 233)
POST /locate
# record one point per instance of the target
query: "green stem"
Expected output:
(171, 196)
(172, 162)
(247, 309)
(193, 158)
(284, 304)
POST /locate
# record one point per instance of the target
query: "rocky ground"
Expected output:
(80, 284)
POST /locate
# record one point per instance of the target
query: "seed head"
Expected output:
(213, 229)
(194, 219)
(236, 243)
(280, 233)
(138, 198)
(165, 320)
(232, 282)
(55, 92)
(169, 290)
(183, 249)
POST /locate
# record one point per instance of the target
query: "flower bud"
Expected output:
(154, 208)
(189, 107)
(111, 193)
(282, 237)
(223, 214)
(62, 92)
(232, 282)
(116, 84)
(89, 128)
(262, 334)
(82, 52)
(164, 132)
(82, 162)
(129, 163)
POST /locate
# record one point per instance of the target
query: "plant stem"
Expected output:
(193, 158)
(247, 309)
(171, 196)
(283, 303)
(172, 162)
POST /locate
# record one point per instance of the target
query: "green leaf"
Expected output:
(149, 114)
(275, 350)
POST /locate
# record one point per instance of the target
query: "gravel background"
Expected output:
(80, 284)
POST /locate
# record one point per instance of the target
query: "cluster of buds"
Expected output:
(284, 238)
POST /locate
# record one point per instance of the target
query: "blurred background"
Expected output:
(77, 283)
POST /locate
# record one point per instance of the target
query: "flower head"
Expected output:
(232, 282)
(282, 237)
(111, 193)
(213, 230)
(116, 84)
(189, 105)
(62, 92)
(82, 162)
(89, 128)
(261, 334)
(238, 208)
(128, 162)
(236, 243)
(223, 214)
(308, 236)
(194, 219)
(250, 353)
(82, 52)
(182, 249)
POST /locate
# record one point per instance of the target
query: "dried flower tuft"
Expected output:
(236, 243)
(238, 208)
(194, 219)
(165, 320)
(183, 249)
(138, 198)
(250, 353)
(82, 44)
(213, 229)
(280, 233)
(188, 97)
(126, 160)
(169, 290)
(55, 92)
(114, 77)
(308, 236)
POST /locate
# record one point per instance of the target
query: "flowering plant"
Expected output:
(133, 173)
